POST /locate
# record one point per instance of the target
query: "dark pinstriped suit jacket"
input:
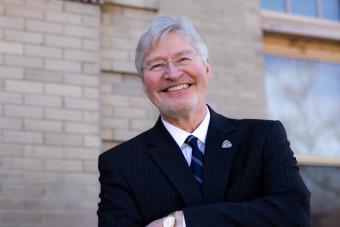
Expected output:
(253, 183)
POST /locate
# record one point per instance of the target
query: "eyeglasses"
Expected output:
(163, 65)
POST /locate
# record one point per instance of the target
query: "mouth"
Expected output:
(177, 87)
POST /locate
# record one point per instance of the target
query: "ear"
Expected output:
(208, 69)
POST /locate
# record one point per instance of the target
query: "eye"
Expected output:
(184, 60)
(157, 66)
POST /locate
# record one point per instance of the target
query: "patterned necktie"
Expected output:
(196, 164)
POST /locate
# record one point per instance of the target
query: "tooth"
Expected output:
(178, 87)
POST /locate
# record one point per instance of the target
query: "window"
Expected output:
(327, 9)
(303, 91)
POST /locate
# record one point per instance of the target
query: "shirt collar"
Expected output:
(180, 135)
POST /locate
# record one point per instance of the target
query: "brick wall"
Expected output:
(68, 90)
(49, 112)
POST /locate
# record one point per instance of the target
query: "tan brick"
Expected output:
(11, 48)
(92, 141)
(78, 55)
(10, 97)
(23, 111)
(63, 165)
(115, 54)
(81, 128)
(10, 123)
(67, 18)
(44, 177)
(84, 104)
(41, 151)
(82, 32)
(41, 51)
(12, 150)
(22, 61)
(2, 10)
(82, 8)
(63, 114)
(43, 75)
(115, 100)
(11, 22)
(82, 179)
(81, 79)
(25, 12)
(62, 41)
(90, 21)
(63, 66)
(24, 86)
(44, 27)
(23, 190)
(43, 100)
(63, 139)
(90, 68)
(91, 117)
(23, 36)
(123, 135)
(90, 166)
(142, 124)
(43, 125)
(12, 177)
(91, 45)
(106, 111)
(55, 5)
(91, 92)
(63, 90)
(106, 134)
(83, 153)
(129, 112)
(117, 123)
(23, 163)
(23, 137)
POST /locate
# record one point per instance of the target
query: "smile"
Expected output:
(177, 87)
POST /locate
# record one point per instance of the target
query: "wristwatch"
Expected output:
(169, 221)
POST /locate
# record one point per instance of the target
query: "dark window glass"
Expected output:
(304, 7)
(276, 5)
(331, 9)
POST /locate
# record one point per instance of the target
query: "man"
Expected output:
(195, 167)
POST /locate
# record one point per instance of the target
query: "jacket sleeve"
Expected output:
(285, 199)
(117, 206)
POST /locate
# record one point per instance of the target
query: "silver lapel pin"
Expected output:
(226, 144)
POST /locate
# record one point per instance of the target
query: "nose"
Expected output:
(172, 71)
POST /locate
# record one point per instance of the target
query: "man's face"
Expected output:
(175, 77)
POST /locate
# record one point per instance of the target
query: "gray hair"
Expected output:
(159, 28)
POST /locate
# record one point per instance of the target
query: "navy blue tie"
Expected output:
(196, 164)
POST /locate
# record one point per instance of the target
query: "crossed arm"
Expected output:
(285, 200)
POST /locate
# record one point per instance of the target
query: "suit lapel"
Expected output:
(218, 160)
(164, 151)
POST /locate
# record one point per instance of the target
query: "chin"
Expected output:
(178, 109)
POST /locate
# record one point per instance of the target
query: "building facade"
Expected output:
(69, 90)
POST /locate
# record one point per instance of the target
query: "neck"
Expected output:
(187, 121)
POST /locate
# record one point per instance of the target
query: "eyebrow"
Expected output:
(158, 58)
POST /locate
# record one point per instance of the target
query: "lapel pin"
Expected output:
(226, 144)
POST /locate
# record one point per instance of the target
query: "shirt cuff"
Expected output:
(184, 225)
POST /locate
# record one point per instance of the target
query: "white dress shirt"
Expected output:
(180, 136)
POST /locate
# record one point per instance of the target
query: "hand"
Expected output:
(159, 222)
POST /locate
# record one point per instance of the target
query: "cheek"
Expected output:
(149, 84)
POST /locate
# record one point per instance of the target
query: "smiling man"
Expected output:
(195, 167)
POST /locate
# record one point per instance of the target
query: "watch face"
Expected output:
(169, 221)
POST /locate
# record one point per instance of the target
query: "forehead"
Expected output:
(174, 43)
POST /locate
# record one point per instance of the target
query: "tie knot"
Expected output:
(191, 140)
